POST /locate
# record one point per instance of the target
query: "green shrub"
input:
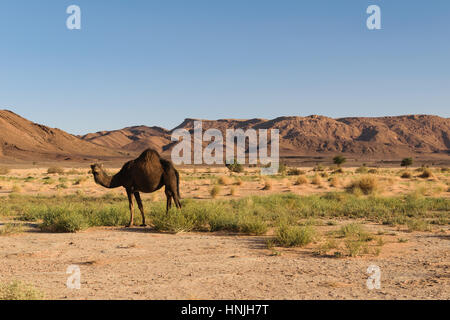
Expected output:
(235, 167)
(417, 225)
(63, 219)
(355, 231)
(293, 236)
(214, 192)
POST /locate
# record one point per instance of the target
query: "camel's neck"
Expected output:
(107, 181)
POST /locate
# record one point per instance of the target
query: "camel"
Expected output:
(147, 173)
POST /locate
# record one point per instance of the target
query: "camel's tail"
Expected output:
(178, 183)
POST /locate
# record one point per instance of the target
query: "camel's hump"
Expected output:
(149, 154)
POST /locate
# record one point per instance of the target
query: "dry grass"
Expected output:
(4, 170)
(316, 180)
(267, 184)
(406, 175)
(366, 185)
(335, 182)
(300, 180)
(426, 173)
(224, 180)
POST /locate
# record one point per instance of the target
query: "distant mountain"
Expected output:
(24, 140)
(387, 138)
(371, 138)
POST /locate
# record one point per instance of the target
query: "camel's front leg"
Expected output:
(130, 201)
(141, 207)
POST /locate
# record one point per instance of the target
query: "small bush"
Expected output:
(316, 180)
(319, 168)
(417, 225)
(253, 226)
(293, 236)
(406, 175)
(354, 231)
(282, 169)
(362, 169)
(426, 173)
(295, 172)
(215, 191)
(63, 220)
(174, 222)
(55, 170)
(356, 248)
(335, 181)
(224, 180)
(235, 167)
(366, 185)
(267, 184)
(17, 290)
(300, 180)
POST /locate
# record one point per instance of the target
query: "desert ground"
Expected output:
(306, 233)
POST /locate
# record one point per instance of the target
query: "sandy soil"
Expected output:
(137, 263)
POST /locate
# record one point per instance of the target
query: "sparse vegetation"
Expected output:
(426, 173)
(295, 172)
(235, 167)
(4, 171)
(55, 170)
(73, 213)
(17, 290)
(11, 228)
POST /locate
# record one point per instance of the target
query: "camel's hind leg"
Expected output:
(177, 201)
(130, 202)
(169, 200)
(141, 207)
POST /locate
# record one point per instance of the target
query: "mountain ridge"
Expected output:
(385, 137)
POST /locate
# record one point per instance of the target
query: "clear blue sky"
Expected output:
(156, 62)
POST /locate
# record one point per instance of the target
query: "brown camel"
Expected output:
(148, 173)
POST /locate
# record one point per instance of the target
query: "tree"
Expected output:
(406, 162)
(339, 160)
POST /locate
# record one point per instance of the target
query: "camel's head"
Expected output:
(96, 169)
